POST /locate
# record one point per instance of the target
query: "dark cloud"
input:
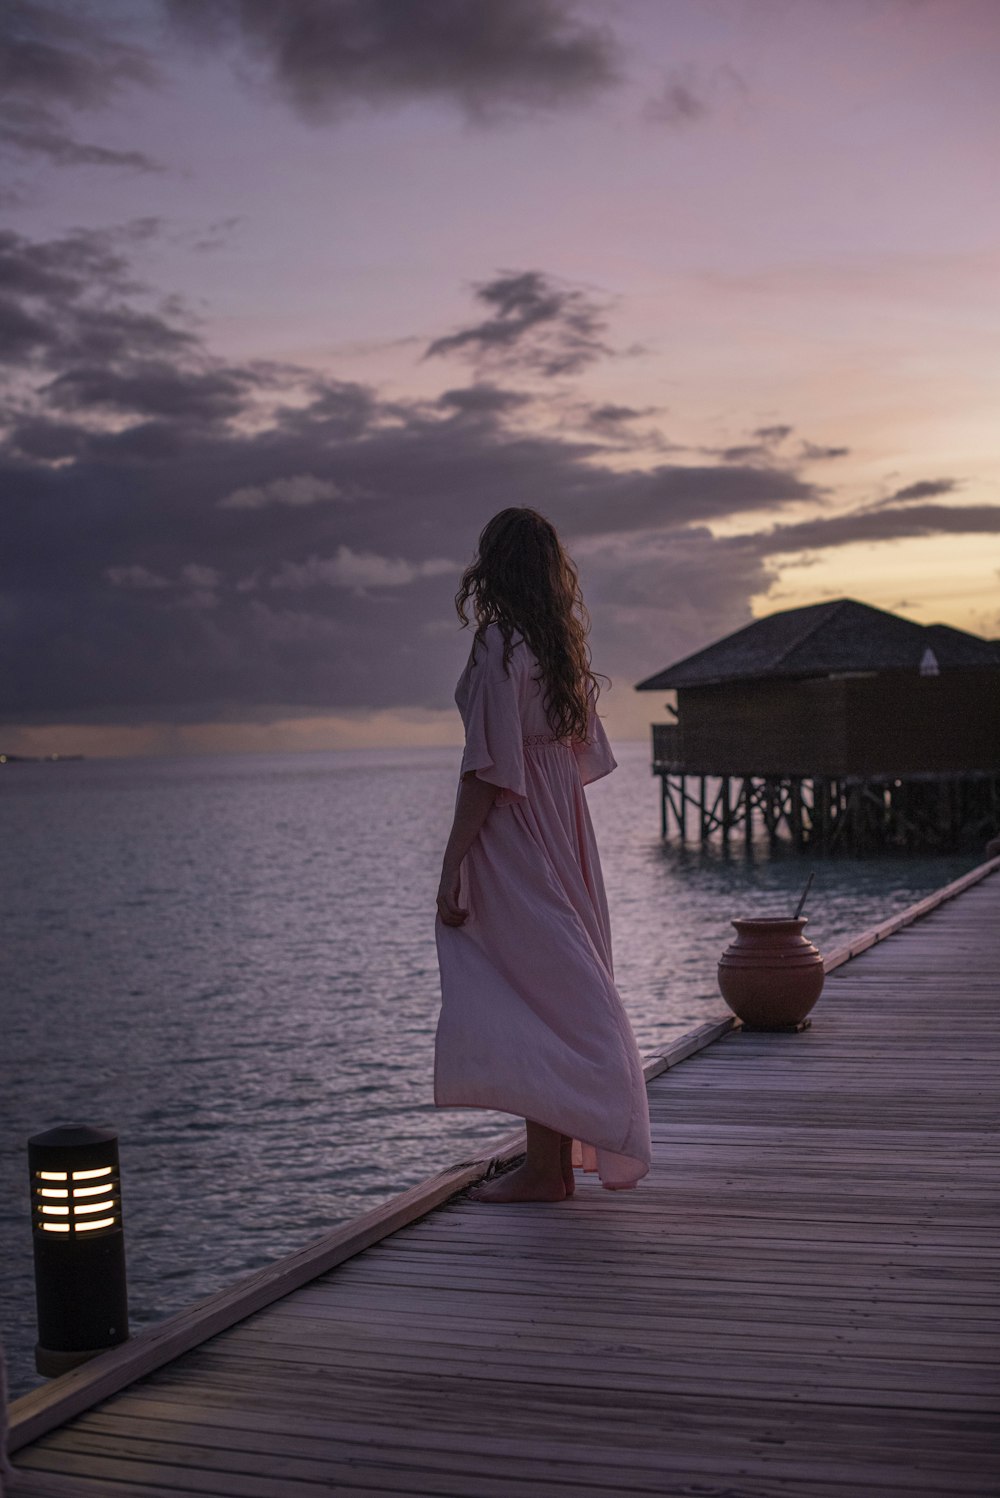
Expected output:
(617, 426)
(79, 343)
(482, 400)
(924, 489)
(878, 524)
(742, 453)
(62, 269)
(324, 605)
(57, 60)
(187, 538)
(767, 439)
(688, 95)
(44, 439)
(218, 235)
(35, 132)
(338, 410)
(656, 597)
(63, 53)
(810, 452)
(153, 388)
(536, 324)
(677, 103)
(21, 332)
(63, 300)
(325, 56)
(166, 555)
(611, 418)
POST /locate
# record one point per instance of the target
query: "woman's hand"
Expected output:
(475, 797)
(449, 909)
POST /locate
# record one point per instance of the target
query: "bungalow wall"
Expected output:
(898, 723)
(893, 722)
(764, 727)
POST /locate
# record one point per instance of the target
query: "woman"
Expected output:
(531, 1022)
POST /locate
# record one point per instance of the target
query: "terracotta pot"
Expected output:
(771, 975)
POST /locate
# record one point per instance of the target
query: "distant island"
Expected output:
(36, 759)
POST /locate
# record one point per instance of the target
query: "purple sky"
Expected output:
(294, 296)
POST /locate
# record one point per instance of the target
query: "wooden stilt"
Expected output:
(929, 812)
(795, 810)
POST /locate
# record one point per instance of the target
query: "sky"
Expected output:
(294, 297)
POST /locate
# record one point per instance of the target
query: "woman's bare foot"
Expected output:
(566, 1163)
(522, 1185)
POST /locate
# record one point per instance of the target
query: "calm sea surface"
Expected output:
(231, 960)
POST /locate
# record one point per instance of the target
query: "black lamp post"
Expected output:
(76, 1223)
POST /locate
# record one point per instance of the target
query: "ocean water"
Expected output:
(231, 960)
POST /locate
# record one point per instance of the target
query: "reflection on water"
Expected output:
(232, 961)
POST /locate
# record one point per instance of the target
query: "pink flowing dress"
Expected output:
(531, 1022)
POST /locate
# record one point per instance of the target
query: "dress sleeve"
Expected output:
(593, 756)
(494, 739)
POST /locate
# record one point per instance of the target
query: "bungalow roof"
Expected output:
(824, 639)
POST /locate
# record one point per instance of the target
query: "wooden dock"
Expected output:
(800, 1298)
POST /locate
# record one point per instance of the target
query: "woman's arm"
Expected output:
(474, 801)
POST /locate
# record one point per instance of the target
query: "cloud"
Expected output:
(874, 524)
(301, 489)
(688, 95)
(536, 323)
(135, 577)
(763, 448)
(59, 269)
(616, 426)
(61, 301)
(131, 652)
(107, 615)
(811, 453)
(924, 489)
(152, 388)
(135, 588)
(658, 596)
(612, 419)
(351, 569)
(56, 60)
(488, 60)
(742, 453)
(197, 576)
(33, 132)
(677, 103)
(482, 400)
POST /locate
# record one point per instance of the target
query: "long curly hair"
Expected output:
(521, 579)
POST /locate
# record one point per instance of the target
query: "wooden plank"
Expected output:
(875, 934)
(679, 1050)
(319, 1457)
(808, 1426)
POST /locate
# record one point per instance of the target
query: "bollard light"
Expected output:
(79, 1244)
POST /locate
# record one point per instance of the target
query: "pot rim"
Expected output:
(770, 922)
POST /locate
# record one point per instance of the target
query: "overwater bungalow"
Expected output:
(838, 725)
